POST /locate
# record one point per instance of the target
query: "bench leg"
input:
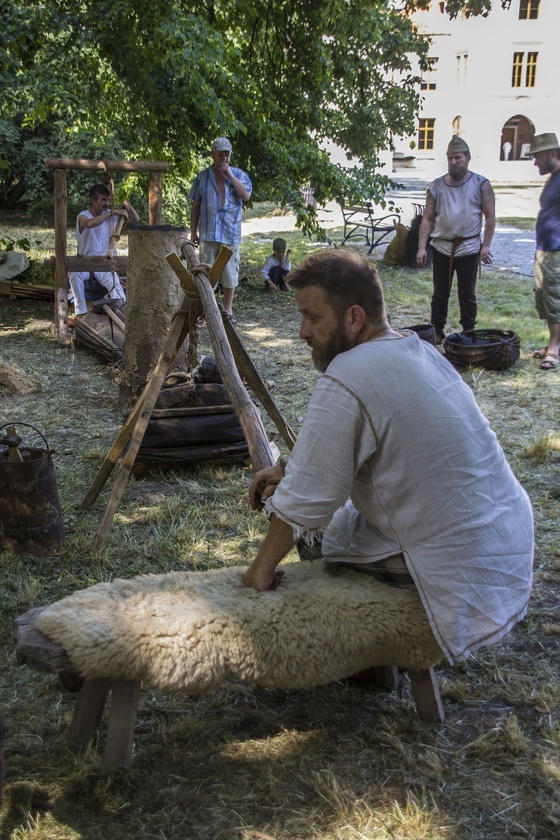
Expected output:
(122, 717)
(89, 711)
(425, 691)
(387, 676)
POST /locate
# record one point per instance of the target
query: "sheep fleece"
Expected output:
(193, 630)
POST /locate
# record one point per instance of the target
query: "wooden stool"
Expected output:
(41, 654)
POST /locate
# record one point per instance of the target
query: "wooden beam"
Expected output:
(107, 165)
(155, 198)
(118, 264)
(61, 330)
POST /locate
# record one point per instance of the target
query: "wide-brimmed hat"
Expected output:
(544, 143)
(222, 144)
(457, 146)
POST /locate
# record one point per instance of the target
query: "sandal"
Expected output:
(540, 354)
(550, 361)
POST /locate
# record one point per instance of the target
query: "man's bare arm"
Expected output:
(489, 213)
(262, 574)
(426, 227)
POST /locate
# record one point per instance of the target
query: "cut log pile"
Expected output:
(15, 290)
(193, 420)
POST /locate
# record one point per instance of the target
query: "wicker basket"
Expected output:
(493, 349)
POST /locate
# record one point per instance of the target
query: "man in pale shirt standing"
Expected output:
(455, 206)
(217, 196)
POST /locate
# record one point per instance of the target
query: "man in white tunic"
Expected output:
(94, 227)
(456, 204)
(392, 426)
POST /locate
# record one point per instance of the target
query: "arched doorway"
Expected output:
(515, 141)
(457, 125)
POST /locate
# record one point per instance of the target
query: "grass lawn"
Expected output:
(246, 763)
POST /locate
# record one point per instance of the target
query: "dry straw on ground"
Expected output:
(338, 762)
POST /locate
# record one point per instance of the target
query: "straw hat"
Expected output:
(544, 143)
(457, 146)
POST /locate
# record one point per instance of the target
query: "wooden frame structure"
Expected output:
(63, 263)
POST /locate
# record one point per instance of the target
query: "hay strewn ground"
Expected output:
(336, 762)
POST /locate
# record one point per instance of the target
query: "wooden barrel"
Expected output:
(30, 513)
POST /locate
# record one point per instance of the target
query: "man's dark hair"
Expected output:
(346, 278)
(97, 190)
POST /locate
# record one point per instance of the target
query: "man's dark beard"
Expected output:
(339, 342)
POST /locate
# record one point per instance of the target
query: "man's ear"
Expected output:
(357, 319)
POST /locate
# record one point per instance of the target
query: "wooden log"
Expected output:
(115, 263)
(247, 412)
(153, 296)
(107, 165)
(190, 411)
(115, 236)
(155, 198)
(61, 329)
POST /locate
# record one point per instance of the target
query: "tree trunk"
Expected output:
(153, 296)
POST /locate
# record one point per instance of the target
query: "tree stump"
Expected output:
(153, 296)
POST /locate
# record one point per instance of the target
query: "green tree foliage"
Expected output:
(158, 80)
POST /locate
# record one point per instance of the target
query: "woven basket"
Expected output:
(494, 349)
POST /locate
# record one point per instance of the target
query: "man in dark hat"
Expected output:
(545, 150)
(456, 204)
(217, 196)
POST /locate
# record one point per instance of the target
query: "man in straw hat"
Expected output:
(217, 196)
(456, 203)
(545, 150)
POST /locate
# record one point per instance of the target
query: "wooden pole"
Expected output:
(104, 165)
(247, 413)
(61, 331)
(155, 198)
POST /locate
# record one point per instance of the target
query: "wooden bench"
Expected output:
(360, 222)
(41, 654)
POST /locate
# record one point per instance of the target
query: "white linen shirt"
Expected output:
(392, 425)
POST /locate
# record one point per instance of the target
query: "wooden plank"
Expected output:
(61, 329)
(118, 263)
(107, 165)
(89, 711)
(190, 411)
(425, 691)
(122, 717)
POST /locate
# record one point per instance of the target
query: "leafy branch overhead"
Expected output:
(159, 80)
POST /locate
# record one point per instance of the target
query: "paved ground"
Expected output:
(513, 248)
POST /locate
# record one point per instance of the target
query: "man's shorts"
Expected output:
(208, 251)
(547, 285)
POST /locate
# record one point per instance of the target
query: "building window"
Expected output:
(428, 76)
(517, 75)
(426, 131)
(462, 60)
(531, 72)
(529, 9)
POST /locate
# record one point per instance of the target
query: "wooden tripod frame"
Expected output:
(231, 357)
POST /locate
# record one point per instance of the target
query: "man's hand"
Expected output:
(195, 239)
(262, 579)
(421, 257)
(264, 485)
(485, 255)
